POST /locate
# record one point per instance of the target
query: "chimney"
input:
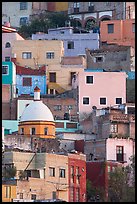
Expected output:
(36, 94)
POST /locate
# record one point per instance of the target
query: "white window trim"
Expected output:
(118, 97)
(85, 97)
(27, 52)
(89, 83)
(103, 104)
(7, 69)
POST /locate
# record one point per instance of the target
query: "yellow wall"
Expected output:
(38, 49)
(39, 128)
(61, 6)
(13, 193)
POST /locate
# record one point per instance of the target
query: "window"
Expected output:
(26, 55)
(76, 7)
(72, 174)
(90, 6)
(85, 100)
(23, 5)
(114, 128)
(8, 191)
(133, 27)
(77, 175)
(69, 107)
(57, 107)
(52, 77)
(50, 55)
(54, 195)
(5, 69)
(52, 171)
(33, 196)
(7, 59)
(72, 76)
(108, 169)
(89, 79)
(22, 131)
(71, 194)
(119, 153)
(99, 59)
(110, 28)
(23, 20)
(27, 81)
(102, 101)
(77, 194)
(62, 173)
(33, 131)
(7, 45)
(45, 131)
(21, 195)
(118, 100)
(70, 45)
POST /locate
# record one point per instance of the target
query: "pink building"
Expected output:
(115, 31)
(9, 35)
(100, 89)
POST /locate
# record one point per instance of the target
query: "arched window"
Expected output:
(7, 45)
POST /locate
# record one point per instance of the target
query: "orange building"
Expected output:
(57, 6)
(37, 119)
(121, 32)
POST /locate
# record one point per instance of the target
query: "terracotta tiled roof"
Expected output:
(29, 71)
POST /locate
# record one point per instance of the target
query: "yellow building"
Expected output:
(8, 191)
(61, 6)
(59, 69)
(37, 119)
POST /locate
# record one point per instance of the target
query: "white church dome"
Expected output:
(37, 110)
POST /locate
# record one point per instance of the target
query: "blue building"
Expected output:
(27, 79)
(74, 43)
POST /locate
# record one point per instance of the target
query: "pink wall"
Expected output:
(8, 37)
(111, 85)
(128, 145)
(121, 35)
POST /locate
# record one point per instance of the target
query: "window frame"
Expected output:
(114, 128)
(110, 31)
(46, 129)
(7, 69)
(7, 191)
(27, 83)
(31, 131)
(92, 81)
(23, 5)
(70, 45)
(27, 55)
(118, 98)
(7, 59)
(62, 173)
(133, 27)
(84, 97)
(119, 152)
(101, 99)
(52, 171)
(50, 55)
(9, 45)
(33, 196)
(23, 20)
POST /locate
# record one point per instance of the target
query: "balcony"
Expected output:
(120, 118)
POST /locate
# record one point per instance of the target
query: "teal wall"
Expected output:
(10, 126)
(8, 79)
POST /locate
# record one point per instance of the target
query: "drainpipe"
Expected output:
(124, 10)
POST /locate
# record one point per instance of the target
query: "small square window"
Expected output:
(5, 69)
(110, 28)
(102, 101)
(99, 59)
(23, 5)
(89, 79)
(62, 173)
(70, 45)
(27, 81)
(118, 100)
(7, 59)
(26, 55)
(23, 20)
(33, 196)
(50, 55)
(85, 100)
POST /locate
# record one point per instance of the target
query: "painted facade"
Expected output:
(59, 70)
(9, 35)
(27, 79)
(57, 6)
(98, 94)
(98, 11)
(9, 191)
(115, 31)
(111, 58)
(9, 77)
(74, 43)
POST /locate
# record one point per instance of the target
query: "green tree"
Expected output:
(9, 172)
(43, 22)
(121, 186)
